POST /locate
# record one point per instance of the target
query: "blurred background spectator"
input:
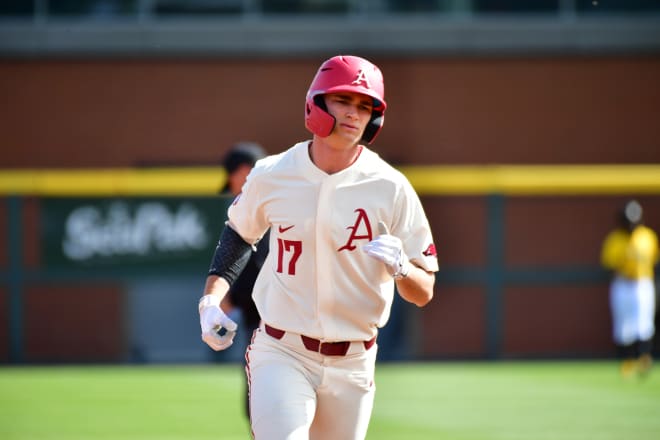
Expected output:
(630, 252)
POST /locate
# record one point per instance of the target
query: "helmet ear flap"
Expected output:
(317, 119)
(373, 127)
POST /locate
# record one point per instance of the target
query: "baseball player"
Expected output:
(630, 252)
(345, 227)
(238, 163)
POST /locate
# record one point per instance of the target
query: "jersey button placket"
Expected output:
(324, 217)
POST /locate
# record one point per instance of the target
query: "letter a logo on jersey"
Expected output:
(362, 78)
(361, 219)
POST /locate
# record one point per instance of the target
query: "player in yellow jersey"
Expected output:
(631, 252)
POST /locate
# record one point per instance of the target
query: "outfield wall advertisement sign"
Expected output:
(118, 232)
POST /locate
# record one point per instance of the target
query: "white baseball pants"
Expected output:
(632, 304)
(297, 394)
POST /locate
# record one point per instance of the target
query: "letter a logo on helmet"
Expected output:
(345, 73)
(362, 77)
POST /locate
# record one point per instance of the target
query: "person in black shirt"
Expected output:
(238, 163)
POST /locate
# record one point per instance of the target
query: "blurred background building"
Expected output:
(481, 91)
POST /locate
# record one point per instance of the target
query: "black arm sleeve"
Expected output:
(231, 256)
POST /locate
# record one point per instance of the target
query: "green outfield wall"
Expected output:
(518, 248)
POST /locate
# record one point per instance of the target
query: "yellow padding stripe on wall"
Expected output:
(535, 179)
(113, 181)
(428, 180)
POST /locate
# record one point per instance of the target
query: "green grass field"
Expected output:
(453, 401)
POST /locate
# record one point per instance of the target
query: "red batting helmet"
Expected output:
(345, 73)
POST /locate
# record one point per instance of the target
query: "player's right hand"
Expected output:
(212, 319)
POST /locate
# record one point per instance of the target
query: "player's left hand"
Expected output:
(389, 249)
(212, 319)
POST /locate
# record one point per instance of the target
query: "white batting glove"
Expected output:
(389, 249)
(212, 319)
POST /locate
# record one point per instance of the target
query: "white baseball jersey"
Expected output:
(317, 280)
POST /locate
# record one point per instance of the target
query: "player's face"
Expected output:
(352, 112)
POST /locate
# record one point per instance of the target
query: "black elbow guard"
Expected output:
(231, 256)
